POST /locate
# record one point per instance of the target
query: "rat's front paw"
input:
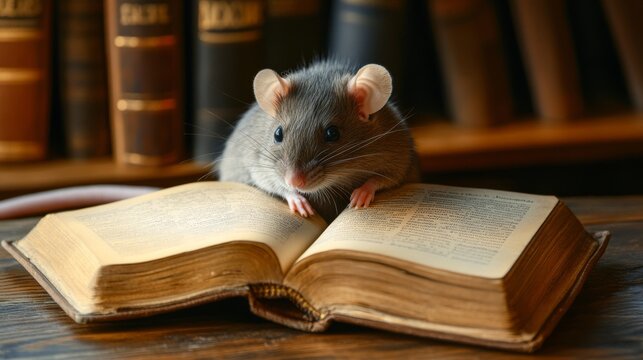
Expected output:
(362, 196)
(298, 203)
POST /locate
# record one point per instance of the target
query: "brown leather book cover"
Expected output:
(286, 306)
(82, 78)
(472, 60)
(548, 53)
(145, 78)
(25, 47)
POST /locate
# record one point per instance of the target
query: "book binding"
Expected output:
(145, 77)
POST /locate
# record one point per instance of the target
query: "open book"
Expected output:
(478, 266)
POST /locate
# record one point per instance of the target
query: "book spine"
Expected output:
(25, 46)
(293, 33)
(83, 78)
(227, 55)
(275, 291)
(548, 53)
(472, 60)
(601, 76)
(145, 74)
(369, 31)
(625, 19)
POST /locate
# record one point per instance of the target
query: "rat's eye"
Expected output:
(331, 133)
(279, 134)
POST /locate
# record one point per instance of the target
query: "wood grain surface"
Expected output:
(605, 321)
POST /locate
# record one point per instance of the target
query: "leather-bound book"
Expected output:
(82, 78)
(145, 78)
(294, 30)
(472, 60)
(369, 31)
(486, 267)
(227, 53)
(25, 46)
(548, 52)
(601, 75)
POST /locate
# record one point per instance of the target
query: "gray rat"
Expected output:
(322, 137)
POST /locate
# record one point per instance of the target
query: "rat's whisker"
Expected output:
(337, 162)
(361, 144)
(371, 172)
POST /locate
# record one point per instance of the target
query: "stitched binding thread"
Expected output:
(275, 291)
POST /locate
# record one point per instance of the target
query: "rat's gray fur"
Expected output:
(317, 98)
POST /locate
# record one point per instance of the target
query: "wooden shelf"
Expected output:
(444, 147)
(16, 179)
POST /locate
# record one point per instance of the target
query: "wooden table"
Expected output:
(606, 320)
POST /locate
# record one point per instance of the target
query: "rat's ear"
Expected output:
(371, 87)
(269, 87)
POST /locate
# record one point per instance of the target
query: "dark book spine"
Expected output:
(626, 21)
(82, 74)
(601, 76)
(227, 54)
(369, 31)
(145, 78)
(25, 46)
(548, 52)
(293, 33)
(472, 60)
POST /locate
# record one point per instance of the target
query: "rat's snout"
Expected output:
(295, 178)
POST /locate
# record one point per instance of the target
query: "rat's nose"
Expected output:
(296, 178)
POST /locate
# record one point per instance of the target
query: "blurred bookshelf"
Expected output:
(483, 120)
(442, 148)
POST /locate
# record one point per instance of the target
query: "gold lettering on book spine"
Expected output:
(144, 14)
(144, 42)
(20, 8)
(230, 21)
(146, 105)
(233, 37)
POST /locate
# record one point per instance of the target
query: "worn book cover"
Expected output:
(484, 267)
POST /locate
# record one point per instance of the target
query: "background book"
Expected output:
(421, 91)
(601, 75)
(294, 33)
(369, 31)
(625, 21)
(521, 94)
(145, 69)
(472, 61)
(82, 78)
(227, 38)
(25, 47)
(546, 43)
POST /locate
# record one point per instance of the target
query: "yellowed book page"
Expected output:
(469, 231)
(190, 217)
